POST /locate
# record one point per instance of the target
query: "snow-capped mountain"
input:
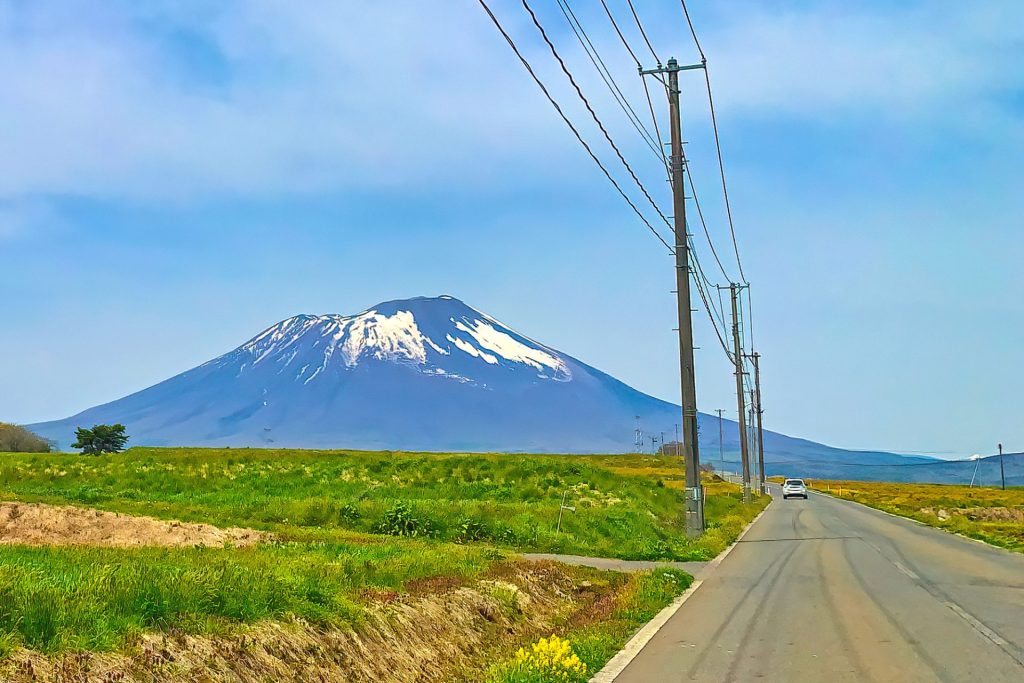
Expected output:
(415, 374)
(447, 339)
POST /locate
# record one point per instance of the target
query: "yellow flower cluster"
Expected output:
(551, 659)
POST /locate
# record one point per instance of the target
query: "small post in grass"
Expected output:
(561, 508)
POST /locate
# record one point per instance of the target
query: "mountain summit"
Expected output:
(439, 337)
(416, 374)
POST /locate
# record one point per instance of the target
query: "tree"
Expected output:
(101, 439)
(17, 439)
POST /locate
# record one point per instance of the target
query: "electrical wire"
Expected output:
(609, 80)
(718, 143)
(593, 114)
(703, 223)
(696, 42)
(721, 172)
(615, 25)
(657, 131)
(568, 122)
(643, 33)
(750, 314)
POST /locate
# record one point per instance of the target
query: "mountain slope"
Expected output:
(415, 374)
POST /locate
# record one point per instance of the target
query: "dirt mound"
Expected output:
(994, 514)
(39, 524)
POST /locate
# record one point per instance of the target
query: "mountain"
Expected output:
(417, 374)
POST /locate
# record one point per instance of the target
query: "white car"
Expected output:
(794, 488)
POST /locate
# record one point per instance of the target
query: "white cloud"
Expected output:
(312, 96)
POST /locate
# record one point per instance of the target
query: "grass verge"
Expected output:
(596, 636)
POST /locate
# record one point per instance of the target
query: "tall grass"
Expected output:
(55, 599)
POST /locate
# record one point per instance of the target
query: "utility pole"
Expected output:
(751, 441)
(756, 358)
(1002, 472)
(691, 450)
(737, 353)
(721, 447)
(677, 439)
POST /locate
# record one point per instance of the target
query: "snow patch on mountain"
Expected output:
(492, 339)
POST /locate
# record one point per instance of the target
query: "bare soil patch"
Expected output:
(41, 524)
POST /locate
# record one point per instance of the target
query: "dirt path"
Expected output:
(41, 524)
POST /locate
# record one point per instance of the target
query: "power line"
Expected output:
(575, 131)
(615, 25)
(609, 80)
(696, 42)
(708, 301)
(654, 118)
(593, 114)
(721, 172)
(750, 313)
(718, 144)
(704, 225)
(643, 33)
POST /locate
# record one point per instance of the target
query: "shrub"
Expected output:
(400, 521)
(348, 513)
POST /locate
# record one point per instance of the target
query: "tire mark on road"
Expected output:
(796, 523)
(703, 654)
(936, 668)
(834, 613)
(755, 619)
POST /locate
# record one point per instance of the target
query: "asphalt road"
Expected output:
(827, 590)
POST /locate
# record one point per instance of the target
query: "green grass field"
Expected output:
(626, 506)
(348, 526)
(988, 514)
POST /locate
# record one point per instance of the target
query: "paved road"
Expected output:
(827, 590)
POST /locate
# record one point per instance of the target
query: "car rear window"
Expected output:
(794, 482)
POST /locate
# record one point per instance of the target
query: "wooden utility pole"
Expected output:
(1002, 471)
(756, 358)
(721, 434)
(737, 353)
(755, 474)
(691, 452)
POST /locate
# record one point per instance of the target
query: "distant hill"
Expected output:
(984, 472)
(429, 374)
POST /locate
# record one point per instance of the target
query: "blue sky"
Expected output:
(177, 176)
